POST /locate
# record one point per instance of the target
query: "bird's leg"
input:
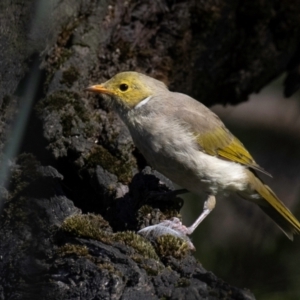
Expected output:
(176, 228)
(175, 223)
(209, 205)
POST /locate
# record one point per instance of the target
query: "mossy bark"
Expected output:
(216, 51)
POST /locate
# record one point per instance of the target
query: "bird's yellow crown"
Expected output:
(128, 89)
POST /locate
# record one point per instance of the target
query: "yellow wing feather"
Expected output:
(223, 144)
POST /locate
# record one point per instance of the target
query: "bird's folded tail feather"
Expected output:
(272, 206)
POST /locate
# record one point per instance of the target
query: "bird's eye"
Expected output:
(123, 87)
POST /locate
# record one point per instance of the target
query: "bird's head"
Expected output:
(127, 89)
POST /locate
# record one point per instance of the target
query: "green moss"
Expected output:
(107, 266)
(151, 271)
(101, 156)
(58, 100)
(61, 57)
(169, 245)
(137, 242)
(145, 211)
(71, 249)
(70, 76)
(14, 211)
(82, 251)
(110, 268)
(151, 268)
(183, 282)
(93, 226)
(171, 213)
(55, 101)
(89, 226)
(70, 108)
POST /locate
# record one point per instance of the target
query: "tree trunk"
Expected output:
(78, 191)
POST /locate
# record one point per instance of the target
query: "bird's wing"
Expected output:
(212, 136)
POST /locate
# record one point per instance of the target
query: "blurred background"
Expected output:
(237, 241)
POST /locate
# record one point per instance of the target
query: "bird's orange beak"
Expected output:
(99, 89)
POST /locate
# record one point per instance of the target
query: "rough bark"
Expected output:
(216, 51)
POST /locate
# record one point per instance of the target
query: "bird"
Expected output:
(189, 144)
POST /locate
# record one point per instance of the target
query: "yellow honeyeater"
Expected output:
(185, 141)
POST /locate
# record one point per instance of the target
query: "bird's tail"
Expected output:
(272, 206)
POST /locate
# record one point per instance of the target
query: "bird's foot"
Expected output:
(172, 226)
(176, 224)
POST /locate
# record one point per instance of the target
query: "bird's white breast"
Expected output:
(171, 148)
